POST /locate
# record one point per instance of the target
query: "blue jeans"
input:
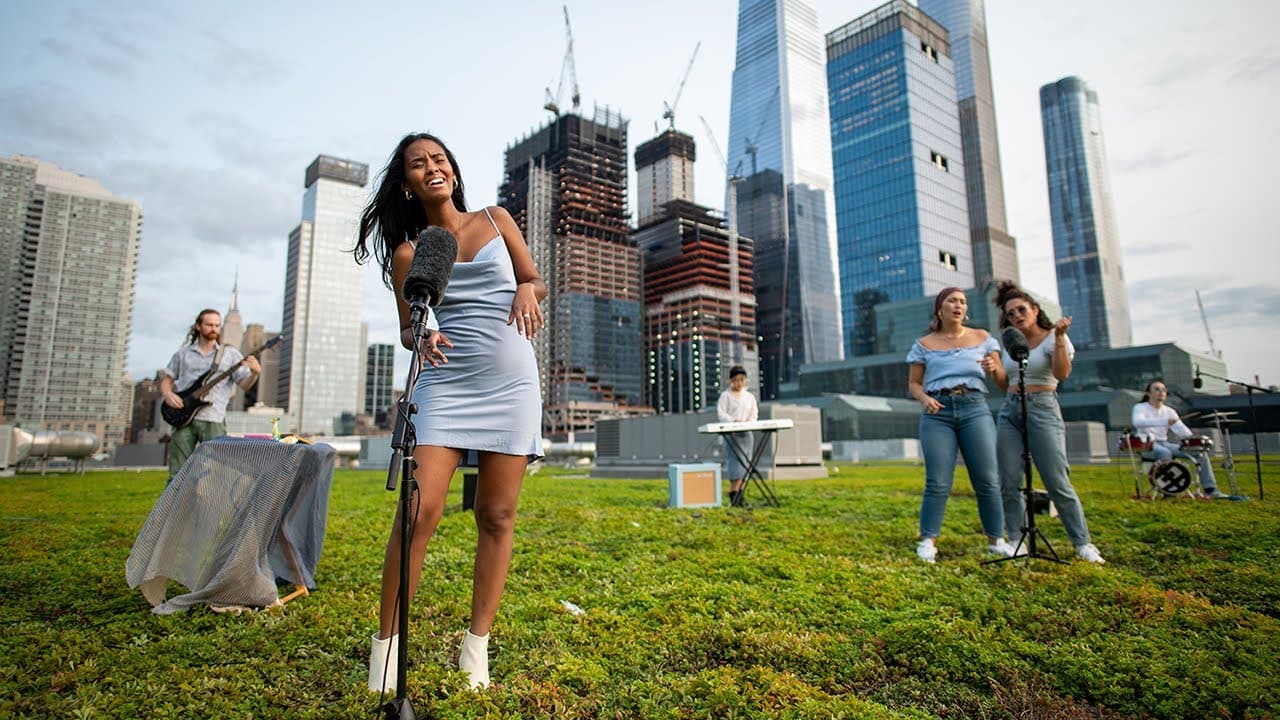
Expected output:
(1047, 437)
(1164, 450)
(964, 422)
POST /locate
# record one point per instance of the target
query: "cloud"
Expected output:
(1164, 247)
(1226, 306)
(1255, 68)
(231, 63)
(247, 147)
(220, 208)
(1180, 70)
(1155, 159)
(53, 122)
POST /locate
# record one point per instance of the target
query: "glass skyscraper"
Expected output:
(1086, 248)
(323, 351)
(995, 253)
(68, 271)
(899, 169)
(780, 141)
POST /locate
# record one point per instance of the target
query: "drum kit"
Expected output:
(1172, 477)
(1222, 420)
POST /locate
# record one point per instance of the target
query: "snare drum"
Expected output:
(1135, 443)
(1170, 477)
(1202, 443)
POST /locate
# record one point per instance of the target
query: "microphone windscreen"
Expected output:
(433, 260)
(1015, 343)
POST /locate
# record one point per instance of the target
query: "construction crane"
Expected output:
(669, 111)
(1205, 319)
(567, 72)
(731, 215)
(752, 148)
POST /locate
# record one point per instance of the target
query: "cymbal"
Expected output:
(1210, 422)
(1218, 413)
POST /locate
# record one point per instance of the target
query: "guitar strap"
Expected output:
(217, 357)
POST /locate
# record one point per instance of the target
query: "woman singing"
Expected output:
(483, 396)
(948, 369)
(1048, 364)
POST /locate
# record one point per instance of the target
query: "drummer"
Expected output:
(1153, 420)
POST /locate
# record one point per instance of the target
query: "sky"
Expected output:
(209, 113)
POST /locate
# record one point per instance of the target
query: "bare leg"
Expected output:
(497, 492)
(436, 466)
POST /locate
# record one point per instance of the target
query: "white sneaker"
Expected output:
(1216, 494)
(1000, 547)
(1089, 553)
(1020, 548)
(926, 550)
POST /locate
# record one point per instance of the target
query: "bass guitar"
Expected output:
(193, 397)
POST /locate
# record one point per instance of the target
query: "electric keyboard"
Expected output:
(751, 425)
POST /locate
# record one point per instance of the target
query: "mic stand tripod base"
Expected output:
(399, 709)
(1029, 530)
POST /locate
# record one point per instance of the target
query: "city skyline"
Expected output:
(197, 117)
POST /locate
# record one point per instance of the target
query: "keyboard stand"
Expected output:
(753, 473)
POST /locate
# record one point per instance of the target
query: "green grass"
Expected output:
(815, 609)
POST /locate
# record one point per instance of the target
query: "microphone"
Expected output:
(1197, 383)
(433, 260)
(1015, 343)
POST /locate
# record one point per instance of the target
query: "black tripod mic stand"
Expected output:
(1029, 530)
(1253, 417)
(403, 442)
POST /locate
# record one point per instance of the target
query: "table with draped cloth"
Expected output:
(239, 517)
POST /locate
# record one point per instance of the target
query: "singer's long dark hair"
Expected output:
(1008, 290)
(391, 217)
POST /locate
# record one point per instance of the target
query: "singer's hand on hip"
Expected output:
(429, 348)
(931, 406)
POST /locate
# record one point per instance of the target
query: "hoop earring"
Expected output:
(455, 183)
(408, 195)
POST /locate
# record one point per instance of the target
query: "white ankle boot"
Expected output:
(383, 658)
(473, 659)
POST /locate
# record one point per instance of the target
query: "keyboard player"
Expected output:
(737, 404)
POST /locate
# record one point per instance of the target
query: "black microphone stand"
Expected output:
(1253, 420)
(403, 442)
(1029, 529)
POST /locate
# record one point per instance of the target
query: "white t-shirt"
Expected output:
(737, 406)
(1039, 363)
(1153, 423)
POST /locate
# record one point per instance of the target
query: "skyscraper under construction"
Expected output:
(699, 298)
(566, 187)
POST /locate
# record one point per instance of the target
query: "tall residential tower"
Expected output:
(995, 252)
(780, 142)
(68, 270)
(323, 352)
(900, 172)
(1086, 247)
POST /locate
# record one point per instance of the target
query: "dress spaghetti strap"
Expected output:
(491, 222)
